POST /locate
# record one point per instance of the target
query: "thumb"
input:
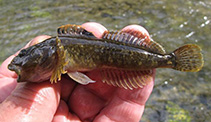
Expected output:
(31, 102)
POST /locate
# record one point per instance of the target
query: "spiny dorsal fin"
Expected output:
(126, 79)
(73, 30)
(135, 38)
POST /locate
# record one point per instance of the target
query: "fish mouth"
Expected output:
(15, 68)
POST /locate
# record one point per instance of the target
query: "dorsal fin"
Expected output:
(135, 38)
(74, 30)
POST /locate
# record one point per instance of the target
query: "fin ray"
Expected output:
(59, 68)
(128, 75)
(74, 30)
(80, 78)
(188, 58)
(125, 78)
(135, 38)
(122, 80)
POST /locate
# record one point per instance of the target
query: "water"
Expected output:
(176, 96)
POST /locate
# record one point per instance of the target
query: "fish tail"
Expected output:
(188, 58)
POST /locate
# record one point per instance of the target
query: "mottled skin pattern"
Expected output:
(87, 54)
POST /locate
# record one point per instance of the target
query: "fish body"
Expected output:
(76, 50)
(88, 54)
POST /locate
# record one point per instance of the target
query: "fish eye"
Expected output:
(22, 52)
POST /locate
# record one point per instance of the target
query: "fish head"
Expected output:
(34, 64)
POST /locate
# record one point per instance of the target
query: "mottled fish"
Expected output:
(123, 58)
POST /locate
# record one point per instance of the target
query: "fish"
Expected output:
(124, 59)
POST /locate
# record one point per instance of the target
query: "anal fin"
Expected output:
(80, 78)
(125, 78)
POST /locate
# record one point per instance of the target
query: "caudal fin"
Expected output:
(188, 58)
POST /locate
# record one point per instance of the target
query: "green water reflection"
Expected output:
(172, 23)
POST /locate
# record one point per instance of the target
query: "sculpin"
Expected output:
(123, 58)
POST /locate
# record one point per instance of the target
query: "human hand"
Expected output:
(67, 100)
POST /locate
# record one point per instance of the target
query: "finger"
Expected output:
(137, 28)
(6, 87)
(8, 78)
(63, 115)
(85, 104)
(37, 40)
(31, 102)
(96, 28)
(67, 86)
(62, 112)
(126, 105)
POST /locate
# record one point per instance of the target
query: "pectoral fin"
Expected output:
(80, 78)
(60, 66)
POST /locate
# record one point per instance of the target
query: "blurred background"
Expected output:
(177, 96)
